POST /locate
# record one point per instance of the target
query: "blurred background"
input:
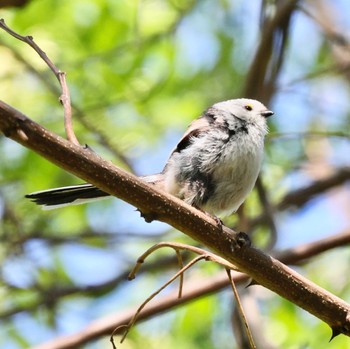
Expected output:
(139, 72)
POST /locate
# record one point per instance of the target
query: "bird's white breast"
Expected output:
(236, 172)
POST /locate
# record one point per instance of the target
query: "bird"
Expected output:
(213, 167)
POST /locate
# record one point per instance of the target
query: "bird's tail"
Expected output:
(78, 194)
(66, 196)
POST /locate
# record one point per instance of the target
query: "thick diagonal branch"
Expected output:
(264, 269)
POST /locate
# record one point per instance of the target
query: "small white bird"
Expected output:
(213, 167)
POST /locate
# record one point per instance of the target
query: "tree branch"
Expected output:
(153, 202)
(61, 77)
(262, 76)
(300, 197)
(193, 290)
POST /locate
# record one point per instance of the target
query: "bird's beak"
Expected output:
(267, 113)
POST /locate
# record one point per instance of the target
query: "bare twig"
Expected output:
(181, 265)
(177, 247)
(139, 309)
(80, 114)
(195, 289)
(61, 77)
(65, 100)
(241, 310)
(141, 260)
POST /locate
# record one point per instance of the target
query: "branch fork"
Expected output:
(202, 255)
(61, 77)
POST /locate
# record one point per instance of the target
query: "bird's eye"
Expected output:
(248, 107)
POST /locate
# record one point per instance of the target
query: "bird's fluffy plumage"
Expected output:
(213, 167)
(220, 163)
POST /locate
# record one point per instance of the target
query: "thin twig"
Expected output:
(67, 107)
(79, 114)
(177, 247)
(111, 339)
(138, 311)
(181, 265)
(241, 310)
(61, 77)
